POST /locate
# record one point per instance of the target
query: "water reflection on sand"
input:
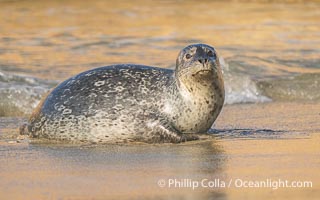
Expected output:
(109, 171)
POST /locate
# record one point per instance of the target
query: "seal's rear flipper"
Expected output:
(24, 129)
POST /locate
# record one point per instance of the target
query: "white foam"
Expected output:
(21, 92)
(239, 88)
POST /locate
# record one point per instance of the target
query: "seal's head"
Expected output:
(197, 63)
(200, 84)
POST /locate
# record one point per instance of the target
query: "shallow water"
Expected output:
(54, 40)
(269, 52)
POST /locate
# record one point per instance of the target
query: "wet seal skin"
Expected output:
(134, 103)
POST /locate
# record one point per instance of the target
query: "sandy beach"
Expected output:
(252, 142)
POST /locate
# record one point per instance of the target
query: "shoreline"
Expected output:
(302, 117)
(286, 116)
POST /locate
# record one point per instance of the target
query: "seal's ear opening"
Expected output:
(179, 60)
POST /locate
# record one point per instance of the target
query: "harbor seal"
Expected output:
(127, 103)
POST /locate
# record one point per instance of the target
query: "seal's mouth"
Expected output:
(203, 72)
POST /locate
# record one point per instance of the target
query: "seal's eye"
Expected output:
(188, 56)
(210, 54)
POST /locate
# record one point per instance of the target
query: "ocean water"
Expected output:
(269, 51)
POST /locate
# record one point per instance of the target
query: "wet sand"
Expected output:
(253, 142)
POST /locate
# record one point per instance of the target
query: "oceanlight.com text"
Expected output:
(233, 183)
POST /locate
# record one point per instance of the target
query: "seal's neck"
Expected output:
(201, 100)
(202, 84)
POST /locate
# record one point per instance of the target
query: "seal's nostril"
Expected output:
(203, 61)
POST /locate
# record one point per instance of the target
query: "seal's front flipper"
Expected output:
(167, 134)
(188, 137)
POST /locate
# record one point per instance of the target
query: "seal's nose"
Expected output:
(203, 60)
